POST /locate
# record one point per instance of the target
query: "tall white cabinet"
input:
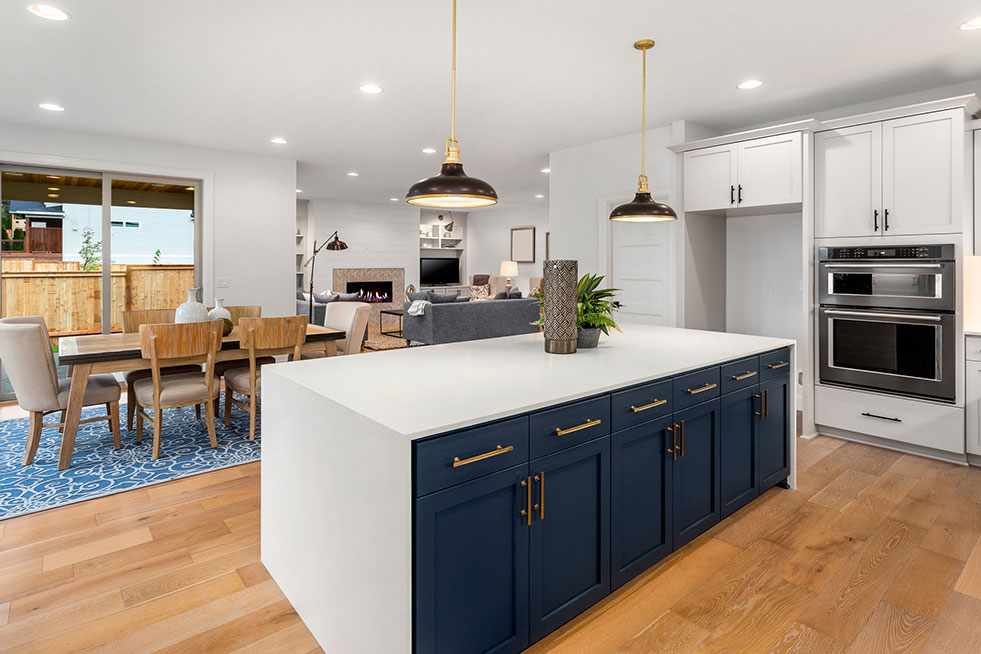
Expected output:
(891, 178)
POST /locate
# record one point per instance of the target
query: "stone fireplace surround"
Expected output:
(395, 275)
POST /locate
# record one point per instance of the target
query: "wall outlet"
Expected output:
(221, 282)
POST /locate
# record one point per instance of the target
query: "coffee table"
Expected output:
(390, 312)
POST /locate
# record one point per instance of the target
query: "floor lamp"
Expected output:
(333, 242)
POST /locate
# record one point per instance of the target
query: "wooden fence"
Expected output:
(70, 299)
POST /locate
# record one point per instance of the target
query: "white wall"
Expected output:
(489, 239)
(763, 276)
(248, 203)
(377, 236)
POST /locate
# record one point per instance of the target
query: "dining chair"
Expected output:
(350, 318)
(239, 312)
(29, 363)
(269, 336)
(193, 342)
(131, 324)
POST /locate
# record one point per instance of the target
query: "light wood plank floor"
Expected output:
(876, 552)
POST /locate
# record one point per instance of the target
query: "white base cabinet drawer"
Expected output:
(895, 418)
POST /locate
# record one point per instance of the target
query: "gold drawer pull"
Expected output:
(706, 387)
(586, 425)
(480, 457)
(745, 375)
(781, 364)
(656, 402)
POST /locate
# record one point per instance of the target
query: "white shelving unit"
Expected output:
(435, 241)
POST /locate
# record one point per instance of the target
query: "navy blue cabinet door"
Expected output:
(640, 499)
(695, 472)
(740, 462)
(570, 534)
(471, 566)
(775, 430)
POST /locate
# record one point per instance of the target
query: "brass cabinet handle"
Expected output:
(457, 462)
(526, 513)
(779, 364)
(766, 403)
(706, 387)
(645, 407)
(682, 438)
(586, 425)
(745, 375)
(540, 479)
(759, 396)
(673, 450)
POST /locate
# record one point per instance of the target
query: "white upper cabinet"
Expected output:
(848, 181)
(756, 173)
(769, 171)
(710, 178)
(901, 176)
(923, 173)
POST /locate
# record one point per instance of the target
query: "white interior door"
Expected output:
(642, 265)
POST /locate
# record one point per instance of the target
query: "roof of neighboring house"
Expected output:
(20, 206)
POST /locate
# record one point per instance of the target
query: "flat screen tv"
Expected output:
(439, 272)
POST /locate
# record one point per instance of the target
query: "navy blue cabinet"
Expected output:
(775, 425)
(570, 534)
(640, 499)
(696, 497)
(741, 412)
(471, 566)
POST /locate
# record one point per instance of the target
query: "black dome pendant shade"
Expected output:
(643, 208)
(452, 188)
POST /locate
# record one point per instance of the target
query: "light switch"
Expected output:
(221, 282)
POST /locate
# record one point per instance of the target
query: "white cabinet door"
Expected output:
(710, 178)
(848, 181)
(923, 173)
(769, 171)
(973, 407)
(977, 192)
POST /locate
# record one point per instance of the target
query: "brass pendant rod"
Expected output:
(643, 116)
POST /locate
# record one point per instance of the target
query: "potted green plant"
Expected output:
(594, 310)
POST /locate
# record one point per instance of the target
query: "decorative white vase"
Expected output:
(219, 311)
(192, 310)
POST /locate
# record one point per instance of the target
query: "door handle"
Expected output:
(526, 512)
(740, 194)
(745, 375)
(586, 425)
(673, 450)
(885, 220)
(706, 387)
(873, 415)
(732, 195)
(759, 396)
(457, 462)
(540, 507)
(645, 407)
(766, 403)
(875, 220)
(682, 438)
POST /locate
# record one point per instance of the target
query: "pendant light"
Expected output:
(643, 208)
(452, 188)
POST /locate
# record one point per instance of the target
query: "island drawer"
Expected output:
(461, 456)
(775, 364)
(740, 374)
(638, 405)
(556, 429)
(696, 387)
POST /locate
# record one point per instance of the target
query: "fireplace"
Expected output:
(371, 291)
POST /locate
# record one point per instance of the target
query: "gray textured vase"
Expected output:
(588, 337)
(561, 278)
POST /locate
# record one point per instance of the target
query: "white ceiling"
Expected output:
(534, 75)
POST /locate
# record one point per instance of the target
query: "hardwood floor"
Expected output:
(875, 552)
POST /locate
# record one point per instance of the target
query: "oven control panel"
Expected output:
(942, 252)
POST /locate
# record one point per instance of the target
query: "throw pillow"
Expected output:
(501, 295)
(515, 294)
(480, 280)
(480, 292)
(325, 297)
(300, 295)
(439, 298)
(418, 295)
(348, 297)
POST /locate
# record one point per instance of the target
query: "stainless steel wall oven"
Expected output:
(886, 319)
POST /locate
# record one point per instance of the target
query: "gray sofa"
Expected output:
(452, 322)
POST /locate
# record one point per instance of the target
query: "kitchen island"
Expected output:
(475, 496)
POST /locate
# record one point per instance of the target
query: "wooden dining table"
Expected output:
(107, 353)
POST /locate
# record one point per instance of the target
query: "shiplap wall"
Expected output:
(377, 235)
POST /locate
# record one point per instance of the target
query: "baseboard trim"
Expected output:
(905, 448)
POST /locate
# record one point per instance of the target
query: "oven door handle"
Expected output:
(876, 314)
(931, 266)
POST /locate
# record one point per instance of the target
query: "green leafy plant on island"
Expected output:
(594, 305)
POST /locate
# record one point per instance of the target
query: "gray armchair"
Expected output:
(453, 322)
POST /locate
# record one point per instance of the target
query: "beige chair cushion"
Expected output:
(134, 376)
(352, 319)
(176, 389)
(100, 390)
(237, 379)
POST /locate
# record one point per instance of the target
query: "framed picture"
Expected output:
(523, 244)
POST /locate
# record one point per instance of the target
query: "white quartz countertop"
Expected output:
(421, 391)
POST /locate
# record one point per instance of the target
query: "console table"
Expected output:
(390, 312)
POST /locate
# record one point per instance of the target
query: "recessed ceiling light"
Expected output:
(971, 25)
(52, 195)
(429, 150)
(130, 201)
(546, 170)
(352, 174)
(188, 188)
(539, 196)
(51, 106)
(750, 84)
(53, 176)
(393, 199)
(278, 140)
(13, 174)
(299, 190)
(53, 188)
(371, 89)
(158, 185)
(47, 11)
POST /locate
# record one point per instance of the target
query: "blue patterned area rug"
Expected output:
(97, 469)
